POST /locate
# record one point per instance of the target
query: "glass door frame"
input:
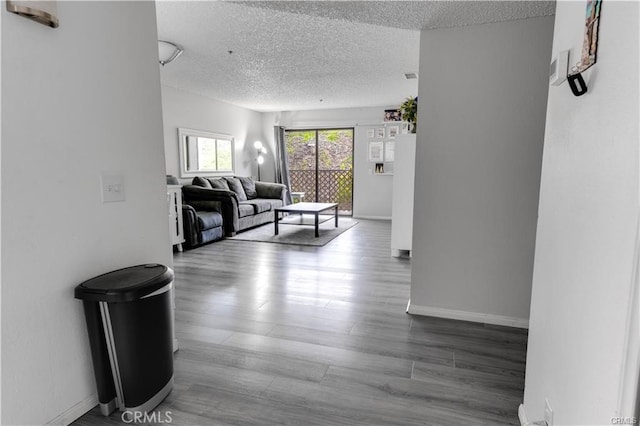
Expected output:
(317, 154)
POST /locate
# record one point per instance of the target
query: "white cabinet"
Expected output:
(403, 188)
(176, 231)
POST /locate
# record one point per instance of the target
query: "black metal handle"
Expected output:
(577, 84)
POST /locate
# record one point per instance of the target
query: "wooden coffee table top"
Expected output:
(307, 207)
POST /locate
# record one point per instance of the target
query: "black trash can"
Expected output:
(128, 314)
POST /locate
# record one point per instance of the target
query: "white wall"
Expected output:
(482, 94)
(76, 101)
(371, 194)
(191, 111)
(587, 225)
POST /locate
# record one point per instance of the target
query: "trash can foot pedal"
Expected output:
(107, 408)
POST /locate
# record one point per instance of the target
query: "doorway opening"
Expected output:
(321, 166)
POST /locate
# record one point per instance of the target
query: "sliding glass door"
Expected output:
(321, 165)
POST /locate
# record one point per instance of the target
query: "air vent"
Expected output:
(411, 76)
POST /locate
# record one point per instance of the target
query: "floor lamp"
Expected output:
(261, 151)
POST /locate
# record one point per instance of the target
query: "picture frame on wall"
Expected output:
(590, 43)
(404, 128)
(376, 151)
(380, 132)
(371, 133)
(393, 131)
(392, 115)
(389, 151)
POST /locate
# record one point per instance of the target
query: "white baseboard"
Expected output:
(522, 416)
(75, 412)
(373, 217)
(468, 316)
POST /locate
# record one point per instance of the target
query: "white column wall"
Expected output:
(587, 226)
(77, 101)
(483, 92)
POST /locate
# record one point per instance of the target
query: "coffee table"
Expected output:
(313, 209)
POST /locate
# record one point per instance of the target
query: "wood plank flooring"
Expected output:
(278, 334)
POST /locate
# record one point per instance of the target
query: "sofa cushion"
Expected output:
(198, 181)
(245, 209)
(218, 183)
(249, 186)
(269, 190)
(275, 202)
(259, 205)
(236, 186)
(208, 220)
(212, 234)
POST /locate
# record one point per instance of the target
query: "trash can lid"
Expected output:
(125, 285)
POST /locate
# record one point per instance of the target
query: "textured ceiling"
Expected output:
(413, 15)
(296, 55)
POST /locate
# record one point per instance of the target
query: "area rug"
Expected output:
(295, 234)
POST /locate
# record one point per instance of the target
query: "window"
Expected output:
(205, 153)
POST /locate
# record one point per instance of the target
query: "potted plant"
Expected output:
(409, 111)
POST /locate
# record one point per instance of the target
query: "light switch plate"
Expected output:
(559, 68)
(112, 187)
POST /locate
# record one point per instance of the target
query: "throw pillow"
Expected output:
(249, 186)
(219, 183)
(201, 182)
(236, 186)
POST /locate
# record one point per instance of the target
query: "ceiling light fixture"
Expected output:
(168, 52)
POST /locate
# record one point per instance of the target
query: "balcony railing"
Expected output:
(334, 186)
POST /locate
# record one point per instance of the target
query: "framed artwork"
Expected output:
(392, 115)
(589, 49)
(379, 168)
(393, 131)
(389, 151)
(380, 132)
(371, 133)
(590, 43)
(404, 128)
(376, 151)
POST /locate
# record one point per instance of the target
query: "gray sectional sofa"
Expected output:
(242, 201)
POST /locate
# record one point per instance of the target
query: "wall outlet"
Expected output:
(548, 413)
